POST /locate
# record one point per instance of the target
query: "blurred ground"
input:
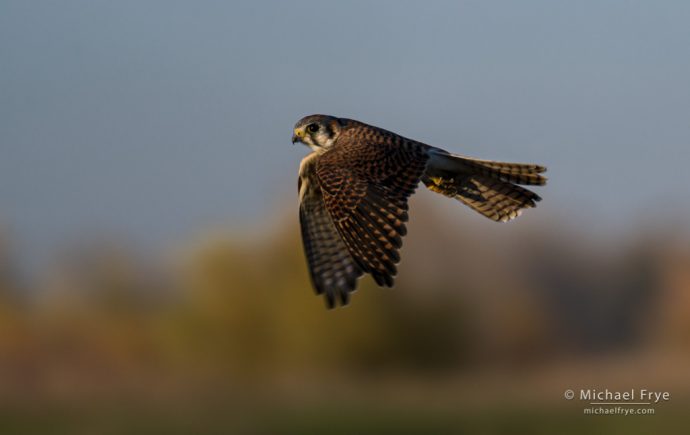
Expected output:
(487, 327)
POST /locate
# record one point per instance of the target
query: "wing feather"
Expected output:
(332, 269)
(366, 181)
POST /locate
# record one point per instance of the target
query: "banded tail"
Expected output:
(491, 188)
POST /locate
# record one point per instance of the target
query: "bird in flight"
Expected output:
(353, 192)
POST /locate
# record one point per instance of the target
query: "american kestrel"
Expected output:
(353, 191)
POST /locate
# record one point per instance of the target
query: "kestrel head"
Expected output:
(317, 131)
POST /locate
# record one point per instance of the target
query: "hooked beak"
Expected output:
(297, 135)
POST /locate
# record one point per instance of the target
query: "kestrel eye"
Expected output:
(312, 128)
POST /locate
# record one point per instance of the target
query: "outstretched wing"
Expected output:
(332, 269)
(498, 200)
(489, 187)
(366, 180)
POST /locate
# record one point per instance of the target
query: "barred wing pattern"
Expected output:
(498, 200)
(332, 269)
(366, 182)
(490, 188)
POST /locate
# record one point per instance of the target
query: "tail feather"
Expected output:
(519, 173)
(491, 188)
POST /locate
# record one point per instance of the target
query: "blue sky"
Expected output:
(151, 119)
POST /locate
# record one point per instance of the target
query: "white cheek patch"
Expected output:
(324, 140)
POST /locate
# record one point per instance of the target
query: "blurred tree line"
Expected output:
(228, 309)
